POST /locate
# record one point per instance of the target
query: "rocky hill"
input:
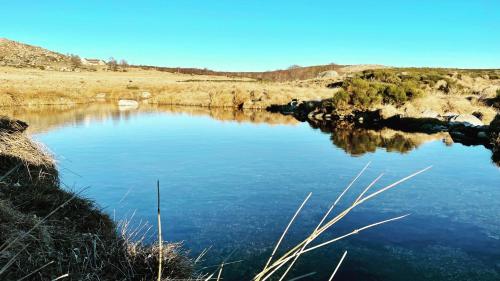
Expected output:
(17, 54)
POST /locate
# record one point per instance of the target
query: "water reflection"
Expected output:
(233, 186)
(45, 118)
(354, 141)
(358, 141)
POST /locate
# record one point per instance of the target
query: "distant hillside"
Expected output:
(17, 54)
(293, 73)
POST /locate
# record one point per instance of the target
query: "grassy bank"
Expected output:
(408, 92)
(47, 232)
(414, 92)
(35, 87)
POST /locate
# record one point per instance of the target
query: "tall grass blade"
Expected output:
(301, 247)
(61, 277)
(9, 172)
(7, 244)
(311, 237)
(302, 276)
(160, 243)
(220, 272)
(286, 230)
(338, 266)
(36, 270)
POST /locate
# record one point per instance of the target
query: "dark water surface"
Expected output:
(232, 180)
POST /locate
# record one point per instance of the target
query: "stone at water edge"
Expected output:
(449, 115)
(128, 103)
(428, 113)
(466, 119)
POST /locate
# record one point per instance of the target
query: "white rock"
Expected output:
(429, 114)
(466, 119)
(128, 104)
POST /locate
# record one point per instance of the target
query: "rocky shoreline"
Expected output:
(467, 129)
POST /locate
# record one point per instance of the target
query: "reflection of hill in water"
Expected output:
(45, 118)
(358, 141)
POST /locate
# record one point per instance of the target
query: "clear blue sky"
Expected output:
(263, 35)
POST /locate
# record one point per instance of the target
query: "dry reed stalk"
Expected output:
(61, 277)
(220, 272)
(36, 270)
(159, 233)
(338, 266)
(302, 276)
(324, 218)
(295, 252)
(286, 230)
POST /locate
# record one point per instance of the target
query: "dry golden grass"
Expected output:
(442, 104)
(35, 87)
(16, 145)
(241, 95)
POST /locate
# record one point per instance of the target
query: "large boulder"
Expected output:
(466, 119)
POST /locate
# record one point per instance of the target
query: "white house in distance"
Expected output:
(94, 62)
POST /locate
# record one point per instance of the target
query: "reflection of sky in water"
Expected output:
(233, 186)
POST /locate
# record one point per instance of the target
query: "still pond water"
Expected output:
(230, 181)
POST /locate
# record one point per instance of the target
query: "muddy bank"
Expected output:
(47, 232)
